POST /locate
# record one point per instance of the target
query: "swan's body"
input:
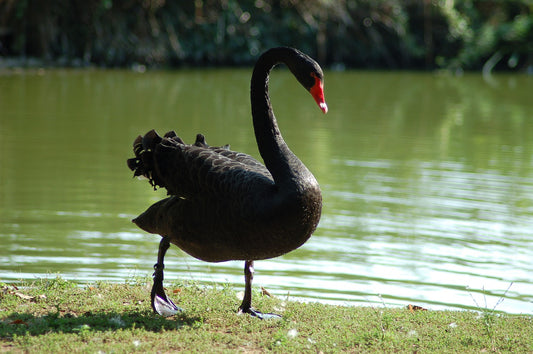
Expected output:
(225, 205)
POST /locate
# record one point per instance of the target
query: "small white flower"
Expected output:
(292, 333)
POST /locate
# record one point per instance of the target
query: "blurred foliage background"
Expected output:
(393, 34)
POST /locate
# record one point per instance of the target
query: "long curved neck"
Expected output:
(283, 165)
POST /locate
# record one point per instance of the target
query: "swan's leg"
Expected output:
(246, 305)
(161, 304)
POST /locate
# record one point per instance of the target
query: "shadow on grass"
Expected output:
(29, 324)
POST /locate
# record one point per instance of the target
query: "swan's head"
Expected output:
(310, 75)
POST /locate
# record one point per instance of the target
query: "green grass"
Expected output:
(54, 315)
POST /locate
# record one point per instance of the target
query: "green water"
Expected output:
(427, 181)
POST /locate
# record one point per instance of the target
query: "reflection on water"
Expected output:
(427, 181)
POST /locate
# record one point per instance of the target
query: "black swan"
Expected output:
(225, 205)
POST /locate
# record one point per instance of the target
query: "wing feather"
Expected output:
(190, 170)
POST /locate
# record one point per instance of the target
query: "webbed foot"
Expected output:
(258, 314)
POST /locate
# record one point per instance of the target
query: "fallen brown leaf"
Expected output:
(414, 308)
(24, 296)
(265, 292)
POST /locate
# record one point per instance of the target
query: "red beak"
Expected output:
(317, 91)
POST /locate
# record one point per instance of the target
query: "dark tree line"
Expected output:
(413, 34)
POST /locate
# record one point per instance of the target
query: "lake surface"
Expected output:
(427, 181)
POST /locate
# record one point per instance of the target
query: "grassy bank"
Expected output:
(54, 315)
